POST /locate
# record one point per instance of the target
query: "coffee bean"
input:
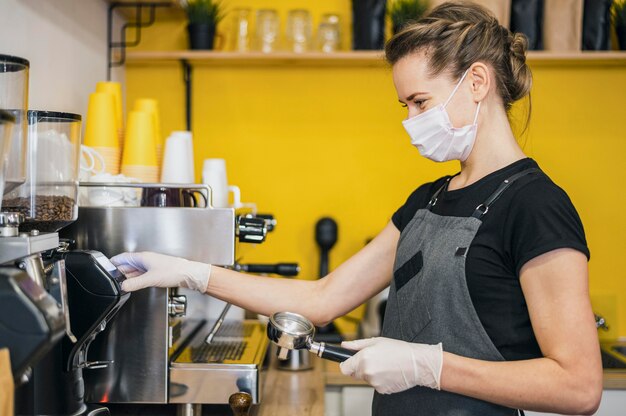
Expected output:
(50, 212)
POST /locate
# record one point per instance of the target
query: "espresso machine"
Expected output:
(159, 339)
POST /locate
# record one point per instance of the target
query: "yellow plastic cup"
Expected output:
(151, 105)
(115, 88)
(139, 146)
(111, 159)
(100, 126)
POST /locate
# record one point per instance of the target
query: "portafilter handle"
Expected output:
(292, 331)
(240, 403)
(331, 352)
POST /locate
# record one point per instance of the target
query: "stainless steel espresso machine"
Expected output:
(159, 339)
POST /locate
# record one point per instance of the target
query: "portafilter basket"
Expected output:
(291, 331)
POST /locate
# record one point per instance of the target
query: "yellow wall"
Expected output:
(307, 142)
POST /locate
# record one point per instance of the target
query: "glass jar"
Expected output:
(329, 33)
(48, 198)
(241, 30)
(267, 29)
(298, 30)
(14, 99)
(7, 122)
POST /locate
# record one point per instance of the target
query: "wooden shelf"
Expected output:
(218, 58)
(349, 58)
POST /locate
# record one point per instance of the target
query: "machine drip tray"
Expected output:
(235, 343)
(210, 373)
(218, 352)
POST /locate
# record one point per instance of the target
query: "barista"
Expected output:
(488, 310)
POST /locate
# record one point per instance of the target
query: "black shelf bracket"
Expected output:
(187, 78)
(137, 24)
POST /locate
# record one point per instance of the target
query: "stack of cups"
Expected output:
(178, 158)
(214, 175)
(101, 130)
(115, 89)
(139, 159)
(150, 105)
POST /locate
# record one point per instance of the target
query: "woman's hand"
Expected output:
(391, 366)
(158, 270)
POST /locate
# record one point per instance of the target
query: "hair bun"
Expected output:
(522, 77)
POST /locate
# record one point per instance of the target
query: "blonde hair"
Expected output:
(456, 35)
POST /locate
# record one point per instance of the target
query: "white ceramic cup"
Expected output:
(91, 162)
(106, 197)
(178, 158)
(237, 199)
(214, 175)
(112, 196)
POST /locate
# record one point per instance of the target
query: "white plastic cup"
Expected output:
(214, 175)
(178, 158)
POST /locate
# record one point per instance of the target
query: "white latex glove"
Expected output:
(148, 269)
(391, 366)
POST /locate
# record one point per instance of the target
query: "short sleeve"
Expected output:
(396, 218)
(542, 218)
(418, 199)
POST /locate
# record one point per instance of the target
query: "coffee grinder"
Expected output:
(90, 286)
(95, 296)
(38, 302)
(31, 319)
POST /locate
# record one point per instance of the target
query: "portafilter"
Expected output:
(291, 331)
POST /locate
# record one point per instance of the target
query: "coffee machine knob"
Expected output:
(269, 220)
(177, 306)
(252, 230)
(240, 403)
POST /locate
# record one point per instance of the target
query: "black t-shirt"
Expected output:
(533, 216)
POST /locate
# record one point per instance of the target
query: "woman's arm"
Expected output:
(568, 379)
(359, 278)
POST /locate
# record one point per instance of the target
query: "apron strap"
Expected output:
(433, 200)
(484, 207)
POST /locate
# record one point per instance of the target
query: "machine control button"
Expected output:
(251, 230)
(177, 306)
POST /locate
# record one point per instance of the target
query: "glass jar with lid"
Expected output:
(48, 197)
(14, 99)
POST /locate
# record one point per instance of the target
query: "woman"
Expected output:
(488, 309)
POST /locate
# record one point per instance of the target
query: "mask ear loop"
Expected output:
(476, 115)
(456, 88)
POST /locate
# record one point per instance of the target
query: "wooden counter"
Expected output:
(297, 393)
(301, 393)
(614, 380)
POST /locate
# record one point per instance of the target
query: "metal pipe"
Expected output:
(218, 324)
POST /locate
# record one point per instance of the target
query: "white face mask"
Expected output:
(435, 137)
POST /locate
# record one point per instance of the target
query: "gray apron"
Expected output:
(429, 303)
